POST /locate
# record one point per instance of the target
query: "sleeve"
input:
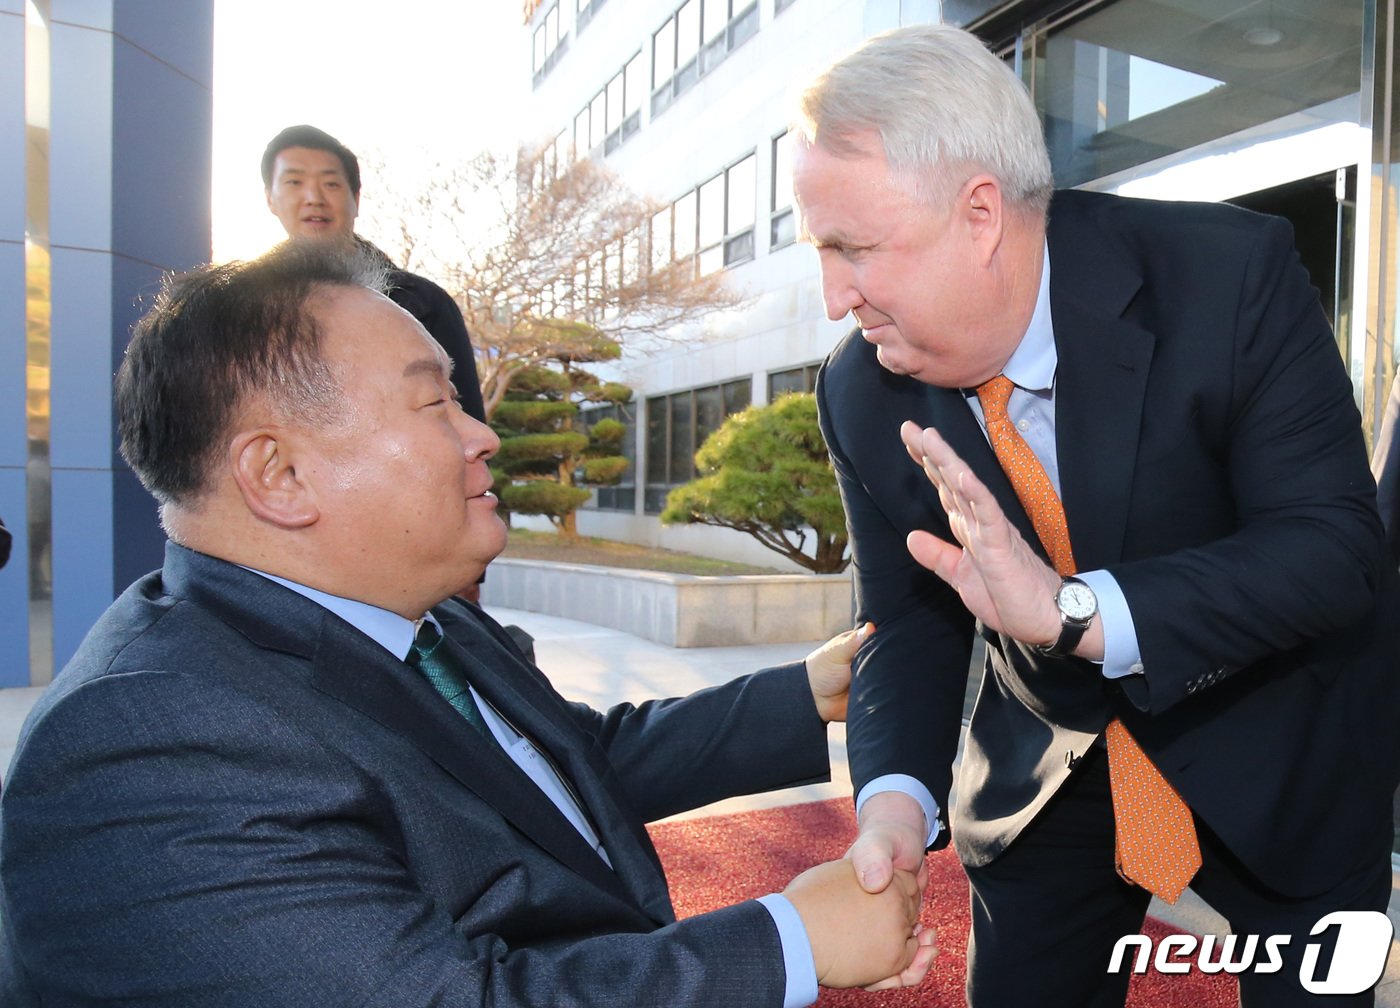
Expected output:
(758, 733)
(172, 843)
(910, 678)
(1303, 558)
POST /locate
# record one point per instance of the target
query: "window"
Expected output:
(714, 222)
(585, 11)
(1123, 84)
(798, 379)
(677, 425)
(549, 45)
(623, 495)
(614, 115)
(695, 40)
(782, 225)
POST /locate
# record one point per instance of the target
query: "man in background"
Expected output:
(312, 184)
(290, 769)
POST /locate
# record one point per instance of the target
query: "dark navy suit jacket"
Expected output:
(231, 797)
(1212, 461)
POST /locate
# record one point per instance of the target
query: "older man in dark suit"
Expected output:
(1149, 489)
(284, 771)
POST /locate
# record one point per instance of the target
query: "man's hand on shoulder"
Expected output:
(829, 671)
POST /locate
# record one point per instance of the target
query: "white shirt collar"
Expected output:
(389, 630)
(1032, 366)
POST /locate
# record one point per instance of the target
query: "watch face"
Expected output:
(1077, 601)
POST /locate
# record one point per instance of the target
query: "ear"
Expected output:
(981, 204)
(264, 464)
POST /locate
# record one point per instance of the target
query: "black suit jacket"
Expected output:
(439, 314)
(1211, 460)
(231, 797)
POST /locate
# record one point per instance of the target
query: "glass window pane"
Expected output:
(663, 54)
(598, 120)
(551, 29)
(711, 259)
(737, 395)
(687, 32)
(743, 183)
(716, 18)
(661, 239)
(783, 230)
(581, 144)
(738, 248)
(783, 382)
(682, 459)
(712, 211)
(616, 111)
(658, 420)
(709, 413)
(634, 90)
(1138, 80)
(685, 226)
(781, 191)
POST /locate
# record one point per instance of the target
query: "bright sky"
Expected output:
(406, 82)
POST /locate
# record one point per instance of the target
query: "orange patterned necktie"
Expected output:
(1156, 835)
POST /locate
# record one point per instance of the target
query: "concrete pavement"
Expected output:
(602, 667)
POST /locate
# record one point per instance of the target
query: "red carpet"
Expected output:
(724, 859)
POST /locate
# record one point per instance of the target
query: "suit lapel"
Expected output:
(1099, 396)
(360, 674)
(521, 694)
(1101, 382)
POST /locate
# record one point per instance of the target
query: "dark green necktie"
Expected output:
(441, 668)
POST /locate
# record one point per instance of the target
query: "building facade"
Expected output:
(105, 141)
(1279, 105)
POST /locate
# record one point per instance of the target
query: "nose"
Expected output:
(839, 291)
(311, 193)
(479, 442)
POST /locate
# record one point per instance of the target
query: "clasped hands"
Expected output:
(859, 938)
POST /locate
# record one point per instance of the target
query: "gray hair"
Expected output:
(942, 103)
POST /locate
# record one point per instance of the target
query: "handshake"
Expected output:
(862, 939)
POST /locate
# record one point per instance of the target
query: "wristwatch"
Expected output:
(1077, 604)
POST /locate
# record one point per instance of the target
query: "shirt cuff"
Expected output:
(906, 785)
(798, 964)
(1121, 654)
